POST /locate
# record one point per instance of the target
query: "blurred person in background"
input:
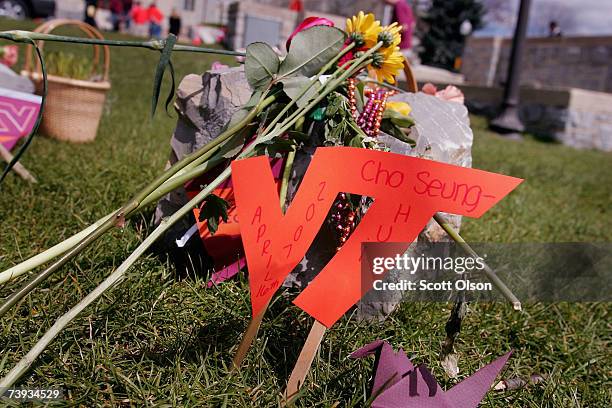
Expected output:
(116, 9)
(174, 23)
(156, 17)
(126, 17)
(90, 12)
(140, 19)
(403, 15)
(554, 29)
(296, 5)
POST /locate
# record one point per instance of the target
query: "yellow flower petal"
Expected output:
(393, 62)
(400, 107)
(395, 31)
(366, 25)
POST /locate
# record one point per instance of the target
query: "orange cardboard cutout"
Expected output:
(407, 192)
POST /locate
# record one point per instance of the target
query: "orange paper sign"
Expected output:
(407, 192)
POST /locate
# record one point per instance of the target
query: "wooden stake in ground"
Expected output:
(18, 167)
(304, 361)
(247, 339)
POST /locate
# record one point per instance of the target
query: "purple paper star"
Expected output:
(399, 384)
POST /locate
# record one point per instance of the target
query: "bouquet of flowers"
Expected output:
(330, 89)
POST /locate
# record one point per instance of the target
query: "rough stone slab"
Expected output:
(442, 133)
(206, 102)
(9, 79)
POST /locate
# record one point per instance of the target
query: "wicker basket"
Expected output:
(73, 107)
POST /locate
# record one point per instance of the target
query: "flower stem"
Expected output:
(499, 284)
(113, 279)
(285, 179)
(61, 248)
(118, 217)
(120, 272)
(156, 45)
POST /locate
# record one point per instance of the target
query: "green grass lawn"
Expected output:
(157, 340)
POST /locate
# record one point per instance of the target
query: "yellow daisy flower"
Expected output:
(391, 35)
(387, 63)
(400, 107)
(363, 29)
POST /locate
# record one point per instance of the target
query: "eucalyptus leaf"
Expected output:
(293, 87)
(261, 65)
(311, 49)
(170, 96)
(253, 100)
(359, 102)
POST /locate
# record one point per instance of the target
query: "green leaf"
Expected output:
(396, 131)
(261, 65)
(398, 119)
(318, 114)
(357, 141)
(274, 147)
(293, 86)
(359, 102)
(213, 208)
(311, 49)
(297, 135)
(164, 60)
(253, 100)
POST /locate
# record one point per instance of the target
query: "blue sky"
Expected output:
(576, 17)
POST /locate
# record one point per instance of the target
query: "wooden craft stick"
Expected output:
(18, 167)
(247, 339)
(304, 361)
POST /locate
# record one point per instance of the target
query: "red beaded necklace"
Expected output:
(343, 218)
(370, 118)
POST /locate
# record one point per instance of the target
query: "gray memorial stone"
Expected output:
(9, 79)
(205, 103)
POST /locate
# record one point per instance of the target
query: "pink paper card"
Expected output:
(407, 192)
(18, 111)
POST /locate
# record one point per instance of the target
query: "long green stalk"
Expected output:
(42, 258)
(62, 247)
(132, 205)
(157, 45)
(285, 179)
(491, 275)
(119, 274)
(113, 279)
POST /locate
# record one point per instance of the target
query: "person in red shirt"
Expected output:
(296, 5)
(140, 18)
(155, 21)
